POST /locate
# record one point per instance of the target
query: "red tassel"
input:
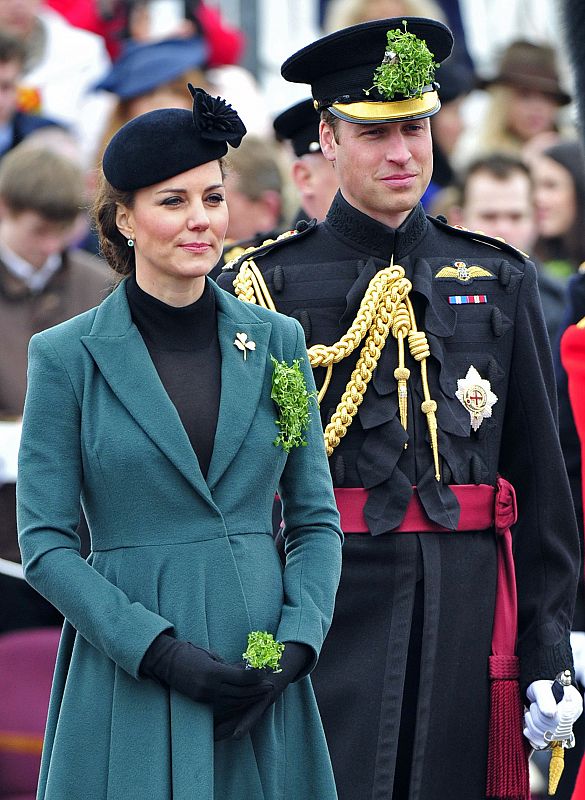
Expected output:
(507, 776)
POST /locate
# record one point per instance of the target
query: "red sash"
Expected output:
(482, 507)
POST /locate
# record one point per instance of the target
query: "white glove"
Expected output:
(545, 716)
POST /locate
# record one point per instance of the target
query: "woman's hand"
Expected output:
(203, 676)
(235, 724)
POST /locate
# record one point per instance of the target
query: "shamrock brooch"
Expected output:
(244, 344)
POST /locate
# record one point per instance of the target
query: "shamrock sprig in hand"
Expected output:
(263, 651)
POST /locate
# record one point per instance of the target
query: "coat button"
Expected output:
(505, 273)
(496, 320)
(278, 279)
(476, 469)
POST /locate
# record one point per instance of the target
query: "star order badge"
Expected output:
(475, 393)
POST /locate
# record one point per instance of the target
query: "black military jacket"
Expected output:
(320, 276)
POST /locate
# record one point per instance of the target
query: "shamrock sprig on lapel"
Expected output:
(290, 393)
(244, 344)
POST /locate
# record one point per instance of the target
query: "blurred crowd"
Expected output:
(507, 153)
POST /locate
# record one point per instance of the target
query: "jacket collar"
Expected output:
(120, 354)
(373, 237)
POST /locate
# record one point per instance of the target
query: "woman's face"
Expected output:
(178, 227)
(531, 112)
(554, 197)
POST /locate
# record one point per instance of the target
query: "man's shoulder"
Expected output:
(88, 268)
(477, 242)
(286, 240)
(252, 312)
(83, 259)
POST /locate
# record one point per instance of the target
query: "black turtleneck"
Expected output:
(184, 347)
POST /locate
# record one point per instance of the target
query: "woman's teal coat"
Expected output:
(171, 551)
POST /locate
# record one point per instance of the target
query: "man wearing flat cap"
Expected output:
(437, 399)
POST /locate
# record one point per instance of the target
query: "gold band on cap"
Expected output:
(393, 111)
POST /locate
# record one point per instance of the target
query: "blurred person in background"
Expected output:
(256, 192)
(15, 125)
(257, 195)
(455, 81)
(521, 107)
(147, 22)
(559, 192)
(312, 175)
(62, 64)
(42, 282)
(61, 141)
(344, 13)
(496, 197)
(151, 75)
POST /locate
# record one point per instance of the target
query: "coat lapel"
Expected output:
(241, 379)
(123, 359)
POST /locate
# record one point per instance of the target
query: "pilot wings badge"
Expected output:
(476, 395)
(462, 272)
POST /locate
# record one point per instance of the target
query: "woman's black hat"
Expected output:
(159, 144)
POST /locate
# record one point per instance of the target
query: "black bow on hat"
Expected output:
(215, 119)
(159, 144)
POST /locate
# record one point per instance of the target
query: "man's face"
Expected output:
(383, 169)
(10, 72)
(248, 216)
(316, 181)
(501, 207)
(33, 237)
(18, 17)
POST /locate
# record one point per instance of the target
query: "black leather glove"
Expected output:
(235, 724)
(203, 676)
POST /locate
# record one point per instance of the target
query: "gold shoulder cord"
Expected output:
(385, 307)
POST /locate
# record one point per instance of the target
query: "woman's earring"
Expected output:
(130, 242)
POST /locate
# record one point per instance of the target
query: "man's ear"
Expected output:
(327, 140)
(301, 176)
(123, 222)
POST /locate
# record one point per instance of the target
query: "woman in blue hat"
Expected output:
(176, 413)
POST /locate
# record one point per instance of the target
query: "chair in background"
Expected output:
(27, 660)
